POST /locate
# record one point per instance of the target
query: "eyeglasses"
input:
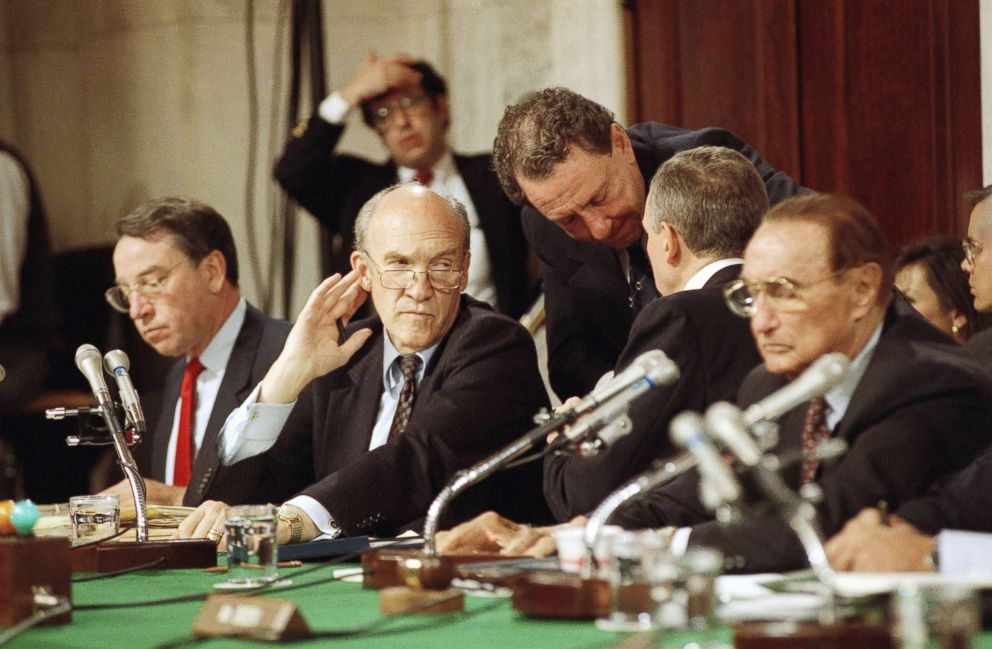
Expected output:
(383, 116)
(442, 279)
(780, 293)
(119, 297)
(971, 250)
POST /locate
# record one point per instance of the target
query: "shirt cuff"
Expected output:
(252, 428)
(334, 109)
(680, 541)
(321, 518)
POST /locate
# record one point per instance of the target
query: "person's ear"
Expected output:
(214, 266)
(671, 242)
(359, 263)
(465, 265)
(866, 281)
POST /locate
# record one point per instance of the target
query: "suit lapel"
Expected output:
(166, 418)
(724, 275)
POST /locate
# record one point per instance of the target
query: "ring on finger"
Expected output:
(214, 535)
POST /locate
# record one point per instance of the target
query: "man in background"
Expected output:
(406, 103)
(177, 278)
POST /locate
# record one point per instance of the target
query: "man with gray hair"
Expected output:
(369, 423)
(703, 206)
(583, 180)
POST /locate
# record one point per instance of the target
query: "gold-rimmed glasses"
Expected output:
(385, 115)
(780, 293)
(971, 250)
(442, 279)
(119, 297)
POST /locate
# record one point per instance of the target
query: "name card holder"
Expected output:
(254, 618)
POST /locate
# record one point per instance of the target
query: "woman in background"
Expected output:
(929, 274)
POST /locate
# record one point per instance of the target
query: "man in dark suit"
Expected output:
(962, 501)
(702, 207)
(583, 179)
(406, 103)
(817, 279)
(177, 278)
(384, 418)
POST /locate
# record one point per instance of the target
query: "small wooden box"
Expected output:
(29, 565)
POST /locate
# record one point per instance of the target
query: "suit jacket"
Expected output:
(585, 290)
(333, 187)
(922, 410)
(258, 344)
(714, 351)
(962, 501)
(478, 394)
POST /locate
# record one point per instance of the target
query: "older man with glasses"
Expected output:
(406, 103)
(371, 426)
(177, 278)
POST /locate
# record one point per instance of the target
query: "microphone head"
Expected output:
(663, 370)
(831, 368)
(685, 427)
(3, 373)
(115, 359)
(86, 355)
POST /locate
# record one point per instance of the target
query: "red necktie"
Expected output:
(187, 406)
(424, 177)
(815, 432)
(409, 366)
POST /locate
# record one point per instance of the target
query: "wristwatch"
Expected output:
(291, 517)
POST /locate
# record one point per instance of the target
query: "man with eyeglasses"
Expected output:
(817, 279)
(909, 540)
(370, 428)
(582, 179)
(177, 278)
(406, 103)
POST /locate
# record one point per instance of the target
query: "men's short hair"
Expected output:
(196, 229)
(853, 234)
(977, 196)
(713, 196)
(458, 213)
(433, 84)
(539, 132)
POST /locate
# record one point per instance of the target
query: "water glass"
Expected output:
(251, 547)
(632, 604)
(94, 517)
(942, 616)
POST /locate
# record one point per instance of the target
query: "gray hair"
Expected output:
(537, 133)
(457, 211)
(713, 196)
(977, 196)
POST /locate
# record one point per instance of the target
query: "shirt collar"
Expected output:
(706, 273)
(442, 170)
(392, 377)
(218, 351)
(839, 397)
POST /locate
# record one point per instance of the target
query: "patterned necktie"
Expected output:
(815, 431)
(187, 406)
(409, 366)
(424, 177)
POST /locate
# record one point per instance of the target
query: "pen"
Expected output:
(340, 330)
(883, 512)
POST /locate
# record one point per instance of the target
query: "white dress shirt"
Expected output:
(214, 359)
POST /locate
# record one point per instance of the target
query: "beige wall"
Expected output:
(118, 101)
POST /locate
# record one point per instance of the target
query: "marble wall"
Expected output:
(118, 101)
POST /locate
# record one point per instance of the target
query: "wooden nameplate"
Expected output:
(810, 635)
(113, 556)
(384, 568)
(30, 566)
(561, 595)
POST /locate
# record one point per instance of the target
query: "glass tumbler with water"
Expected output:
(94, 517)
(251, 546)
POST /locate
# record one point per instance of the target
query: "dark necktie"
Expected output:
(815, 431)
(424, 177)
(641, 284)
(409, 366)
(187, 407)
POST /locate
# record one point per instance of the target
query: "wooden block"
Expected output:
(560, 595)
(111, 557)
(385, 567)
(257, 618)
(810, 635)
(29, 565)
(403, 600)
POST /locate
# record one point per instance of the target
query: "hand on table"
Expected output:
(158, 493)
(491, 533)
(867, 544)
(205, 522)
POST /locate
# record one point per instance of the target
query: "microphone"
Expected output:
(3, 373)
(89, 363)
(649, 370)
(725, 422)
(686, 430)
(826, 372)
(117, 365)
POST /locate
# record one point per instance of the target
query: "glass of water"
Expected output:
(94, 517)
(251, 546)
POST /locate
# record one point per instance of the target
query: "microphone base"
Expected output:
(385, 568)
(549, 594)
(30, 566)
(789, 635)
(113, 556)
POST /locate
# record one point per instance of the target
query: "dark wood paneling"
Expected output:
(876, 99)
